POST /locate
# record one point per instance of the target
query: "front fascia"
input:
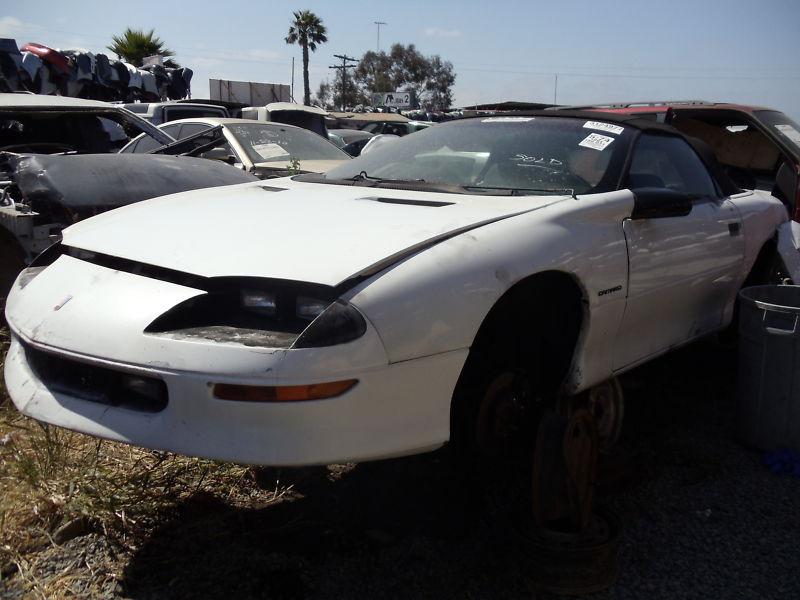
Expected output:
(92, 311)
(435, 301)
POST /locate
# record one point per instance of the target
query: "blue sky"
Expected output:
(739, 51)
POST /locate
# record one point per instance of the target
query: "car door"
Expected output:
(682, 269)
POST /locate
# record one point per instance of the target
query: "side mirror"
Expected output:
(219, 154)
(659, 203)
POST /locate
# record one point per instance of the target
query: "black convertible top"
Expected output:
(727, 186)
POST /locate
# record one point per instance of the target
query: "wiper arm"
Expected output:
(363, 176)
(512, 191)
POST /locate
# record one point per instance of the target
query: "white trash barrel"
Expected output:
(768, 415)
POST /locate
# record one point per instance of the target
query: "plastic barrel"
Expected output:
(768, 404)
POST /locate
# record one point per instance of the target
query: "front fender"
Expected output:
(436, 300)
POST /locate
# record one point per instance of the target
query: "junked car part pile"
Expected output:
(43, 194)
(42, 70)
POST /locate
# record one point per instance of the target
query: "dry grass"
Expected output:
(56, 485)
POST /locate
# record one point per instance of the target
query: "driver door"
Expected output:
(683, 270)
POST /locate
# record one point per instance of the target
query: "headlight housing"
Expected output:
(338, 324)
(265, 314)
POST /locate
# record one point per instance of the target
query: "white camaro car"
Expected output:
(448, 284)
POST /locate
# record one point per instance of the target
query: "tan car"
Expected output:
(265, 149)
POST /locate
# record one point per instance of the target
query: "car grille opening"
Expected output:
(97, 384)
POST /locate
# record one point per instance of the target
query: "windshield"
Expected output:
(273, 143)
(81, 131)
(524, 154)
(788, 130)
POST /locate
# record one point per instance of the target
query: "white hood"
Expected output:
(307, 232)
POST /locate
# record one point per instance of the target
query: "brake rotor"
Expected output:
(504, 413)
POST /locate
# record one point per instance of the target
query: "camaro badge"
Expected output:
(616, 288)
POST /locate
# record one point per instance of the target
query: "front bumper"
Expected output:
(394, 410)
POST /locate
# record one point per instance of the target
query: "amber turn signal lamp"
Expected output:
(282, 393)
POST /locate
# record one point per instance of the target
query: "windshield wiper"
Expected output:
(363, 176)
(512, 191)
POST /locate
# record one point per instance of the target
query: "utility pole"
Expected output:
(292, 79)
(555, 90)
(379, 23)
(343, 68)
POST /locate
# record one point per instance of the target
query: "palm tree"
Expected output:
(135, 44)
(306, 30)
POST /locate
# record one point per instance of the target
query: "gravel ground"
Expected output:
(703, 519)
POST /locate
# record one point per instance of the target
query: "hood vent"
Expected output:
(425, 203)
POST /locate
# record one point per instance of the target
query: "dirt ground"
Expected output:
(703, 517)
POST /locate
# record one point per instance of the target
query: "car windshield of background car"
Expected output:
(273, 143)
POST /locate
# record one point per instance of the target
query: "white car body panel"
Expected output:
(348, 428)
(340, 230)
(789, 247)
(430, 278)
(688, 264)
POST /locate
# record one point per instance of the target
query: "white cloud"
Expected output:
(442, 33)
(11, 27)
(202, 62)
(263, 54)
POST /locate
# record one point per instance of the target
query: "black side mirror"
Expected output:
(659, 203)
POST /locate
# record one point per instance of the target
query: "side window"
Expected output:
(394, 129)
(146, 144)
(191, 129)
(131, 148)
(669, 162)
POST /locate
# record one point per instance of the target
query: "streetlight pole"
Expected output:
(379, 23)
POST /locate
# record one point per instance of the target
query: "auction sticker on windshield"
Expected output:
(270, 150)
(596, 141)
(600, 126)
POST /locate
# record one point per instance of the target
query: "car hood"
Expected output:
(316, 233)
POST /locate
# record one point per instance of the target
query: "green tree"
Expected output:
(307, 31)
(404, 68)
(324, 94)
(135, 44)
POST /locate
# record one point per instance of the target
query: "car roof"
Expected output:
(41, 101)
(229, 121)
(590, 115)
(663, 106)
(278, 106)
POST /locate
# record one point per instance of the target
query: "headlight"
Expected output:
(338, 324)
(260, 302)
(289, 316)
(310, 308)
